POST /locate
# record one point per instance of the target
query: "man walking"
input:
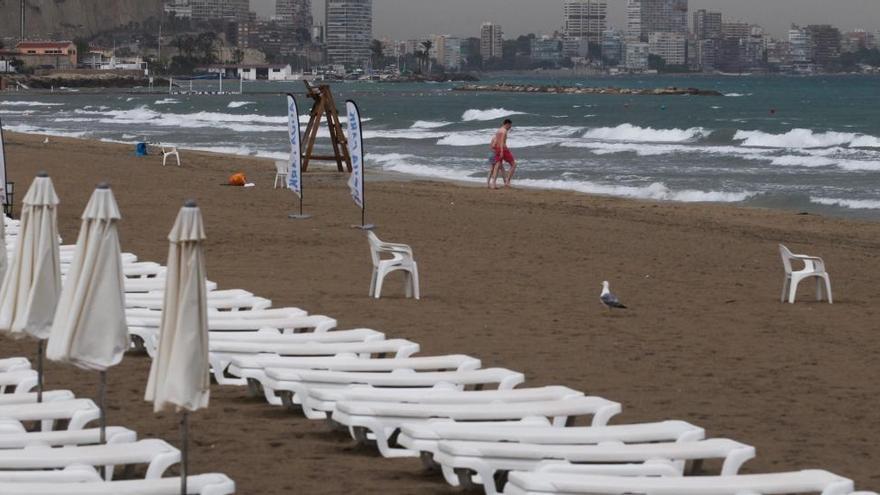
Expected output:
(500, 154)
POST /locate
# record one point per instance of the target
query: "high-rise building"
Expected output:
(707, 25)
(584, 19)
(799, 45)
(348, 31)
(231, 10)
(491, 41)
(739, 30)
(178, 8)
(612, 47)
(447, 51)
(636, 55)
(824, 44)
(296, 14)
(656, 16)
(671, 47)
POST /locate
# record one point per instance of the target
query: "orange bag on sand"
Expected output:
(237, 179)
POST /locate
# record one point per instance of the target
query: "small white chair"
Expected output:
(170, 151)
(281, 170)
(402, 259)
(813, 267)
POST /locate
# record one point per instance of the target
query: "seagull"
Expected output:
(608, 299)
(46, 141)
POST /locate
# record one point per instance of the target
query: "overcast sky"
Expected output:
(402, 19)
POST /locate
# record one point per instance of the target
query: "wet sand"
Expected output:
(511, 277)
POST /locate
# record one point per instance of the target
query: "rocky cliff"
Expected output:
(47, 19)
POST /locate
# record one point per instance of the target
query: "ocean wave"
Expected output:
(29, 129)
(855, 204)
(490, 114)
(805, 138)
(632, 133)
(803, 161)
(239, 104)
(737, 95)
(522, 137)
(166, 101)
(14, 103)
(397, 134)
(429, 124)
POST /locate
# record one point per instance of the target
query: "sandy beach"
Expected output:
(511, 277)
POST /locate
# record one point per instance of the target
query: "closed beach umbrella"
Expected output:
(179, 379)
(3, 254)
(89, 330)
(32, 283)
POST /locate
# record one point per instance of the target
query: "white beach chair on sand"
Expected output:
(808, 481)
(77, 413)
(487, 463)
(383, 420)
(71, 474)
(293, 386)
(12, 439)
(814, 267)
(282, 168)
(218, 300)
(203, 484)
(157, 454)
(141, 285)
(252, 368)
(401, 259)
(170, 151)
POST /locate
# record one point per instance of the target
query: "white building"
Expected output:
(584, 19)
(636, 56)
(672, 47)
(447, 51)
(348, 32)
(491, 41)
(179, 8)
(799, 45)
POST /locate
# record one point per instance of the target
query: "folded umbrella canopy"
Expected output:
(89, 330)
(179, 377)
(32, 283)
(4, 256)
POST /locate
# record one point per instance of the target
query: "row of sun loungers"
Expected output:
(479, 427)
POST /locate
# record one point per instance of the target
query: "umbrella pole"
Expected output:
(40, 370)
(184, 450)
(102, 421)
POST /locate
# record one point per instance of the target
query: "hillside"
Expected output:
(68, 18)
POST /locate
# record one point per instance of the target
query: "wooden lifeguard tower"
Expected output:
(325, 106)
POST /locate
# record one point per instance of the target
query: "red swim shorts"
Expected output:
(506, 156)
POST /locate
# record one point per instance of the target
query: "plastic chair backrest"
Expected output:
(280, 167)
(786, 256)
(374, 247)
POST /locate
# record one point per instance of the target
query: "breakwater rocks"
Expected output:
(578, 90)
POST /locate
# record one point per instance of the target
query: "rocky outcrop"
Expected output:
(57, 19)
(578, 90)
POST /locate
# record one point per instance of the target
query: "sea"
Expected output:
(806, 144)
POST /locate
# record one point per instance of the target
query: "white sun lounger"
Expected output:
(70, 474)
(231, 300)
(14, 363)
(149, 317)
(254, 364)
(293, 385)
(487, 463)
(144, 269)
(62, 438)
(252, 368)
(383, 420)
(31, 397)
(19, 380)
(138, 285)
(157, 454)
(203, 484)
(808, 481)
(324, 400)
(78, 413)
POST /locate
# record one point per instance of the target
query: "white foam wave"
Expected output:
(855, 204)
(429, 124)
(239, 104)
(28, 129)
(632, 133)
(803, 161)
(166, 101)
(521, 137)
(805, 138)
(737, 95)
(490, 114)
(14, 103)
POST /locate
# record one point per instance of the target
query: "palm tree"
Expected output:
(426, 53)
(378, 52)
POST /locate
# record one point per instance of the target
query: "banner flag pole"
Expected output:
(294, 173)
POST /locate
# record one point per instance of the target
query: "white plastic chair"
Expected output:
(813, 267)
(402, 259)
(170, 151)
(281, 171)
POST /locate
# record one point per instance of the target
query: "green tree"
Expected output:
(377, 54)
(426, 53)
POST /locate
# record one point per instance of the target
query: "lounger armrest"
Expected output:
(395, 248)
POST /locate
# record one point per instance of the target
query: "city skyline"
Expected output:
(403, 19)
